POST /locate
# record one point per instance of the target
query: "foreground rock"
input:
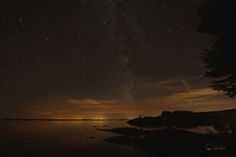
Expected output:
(173, 142)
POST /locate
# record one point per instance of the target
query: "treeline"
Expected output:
(221, 120)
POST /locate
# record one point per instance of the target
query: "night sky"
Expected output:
(103, 59)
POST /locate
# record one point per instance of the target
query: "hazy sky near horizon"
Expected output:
(103, 59)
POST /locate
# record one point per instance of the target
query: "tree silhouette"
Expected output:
(217, 18)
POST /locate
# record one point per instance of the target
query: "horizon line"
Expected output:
(62, 119)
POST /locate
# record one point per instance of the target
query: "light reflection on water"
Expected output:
(61, 138)
(199, 129)
(67, 139)
(203, 130)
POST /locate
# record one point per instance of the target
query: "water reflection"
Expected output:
(199, 129)
(60, 138)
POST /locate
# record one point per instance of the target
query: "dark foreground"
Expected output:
(174, 139)
(174, 142)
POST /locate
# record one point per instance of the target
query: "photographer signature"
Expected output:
(214, 147)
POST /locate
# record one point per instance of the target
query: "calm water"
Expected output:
(61, 138)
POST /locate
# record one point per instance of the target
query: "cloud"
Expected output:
(197, 93)
(92, 102)
(186, 85)
(159, 88)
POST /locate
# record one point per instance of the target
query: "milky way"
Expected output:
(131, 52)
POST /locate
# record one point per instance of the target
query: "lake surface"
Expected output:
(62, 139)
